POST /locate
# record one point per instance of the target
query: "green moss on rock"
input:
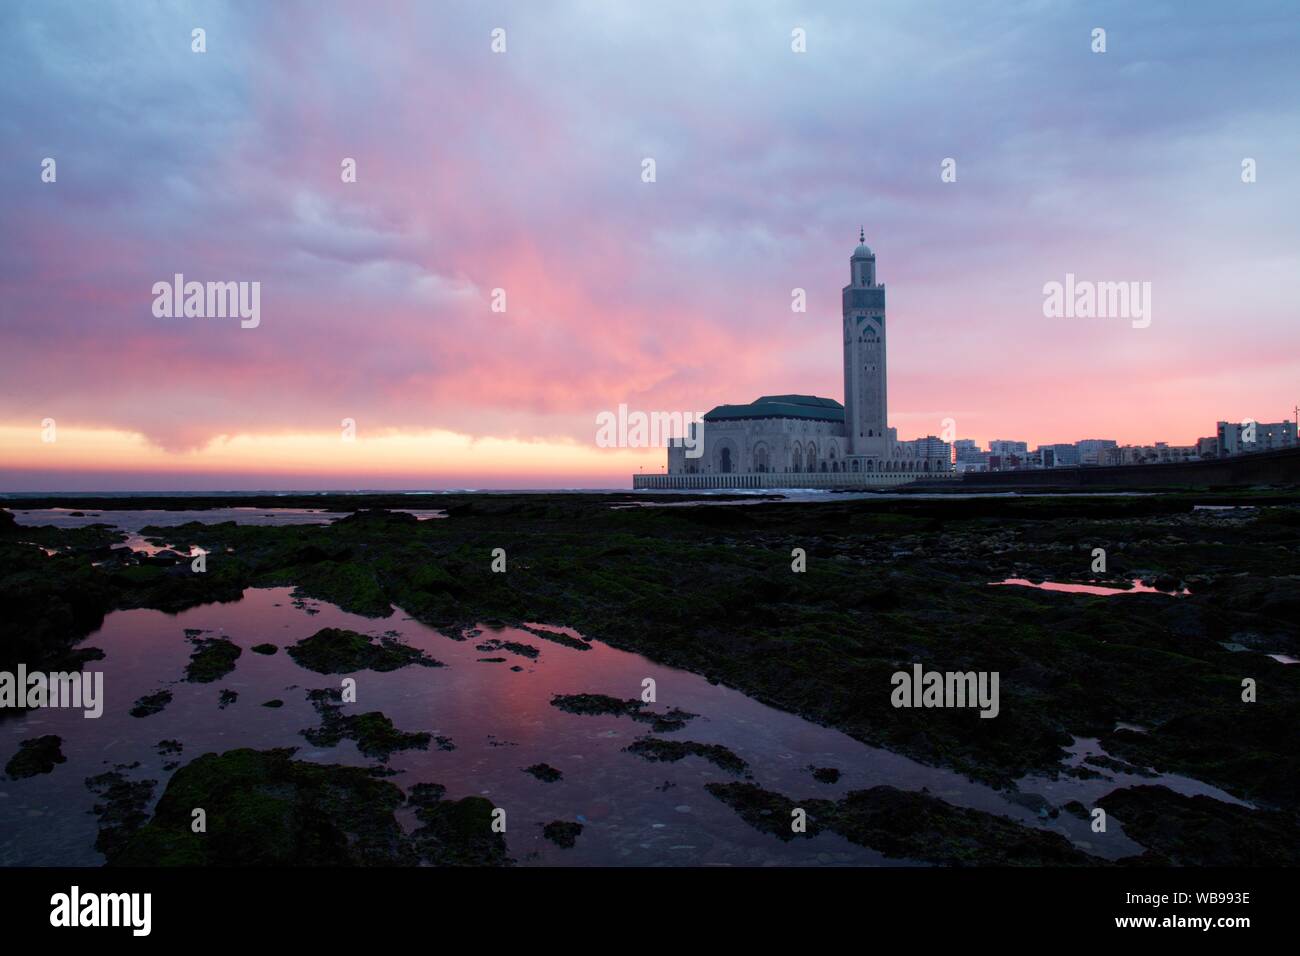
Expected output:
(652, 748)
(213, 658)
(563, 833)
(35, 756)
(373, 732)
(603, 705)
(265, 809)
(151, 704)
(335, 650)
(905, 824)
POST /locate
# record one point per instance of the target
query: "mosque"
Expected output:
(802, 441)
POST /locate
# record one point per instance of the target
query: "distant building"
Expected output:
(1159, 453)
(1177, 452)
(1001, 446)
(1007, 462)
(1240, 438)
(797, 441)
(1207, 447)
(969, 455)
(1057, 455)
(1090, 449)
(932, 447)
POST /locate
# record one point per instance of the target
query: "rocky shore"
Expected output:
(1156, 677)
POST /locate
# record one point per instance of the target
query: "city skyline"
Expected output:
(377, 295)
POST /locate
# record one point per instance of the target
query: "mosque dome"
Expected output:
(863, 250)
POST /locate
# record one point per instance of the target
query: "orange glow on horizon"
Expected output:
(387, 455)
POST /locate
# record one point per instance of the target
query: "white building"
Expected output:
(802, 441)
(1240, 438)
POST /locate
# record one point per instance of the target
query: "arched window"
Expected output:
(726, 461)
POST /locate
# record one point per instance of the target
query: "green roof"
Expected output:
(782, 406)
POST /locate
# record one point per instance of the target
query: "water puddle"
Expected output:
(492, 701)
(1137, 588)
(1091, 773)
(133, 521)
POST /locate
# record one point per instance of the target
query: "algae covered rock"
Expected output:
(1201, 831)
(563, 833)
(213, 659)
(150, 704)
(544, 772)
(38, 755)
(600, 705)
(263, 808)
(456, 832)
(373, 732)
(905, 824)
(334, 650)
(652, 748)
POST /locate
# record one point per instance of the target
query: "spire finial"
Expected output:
(862, 234)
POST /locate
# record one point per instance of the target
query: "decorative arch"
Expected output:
(726, 460)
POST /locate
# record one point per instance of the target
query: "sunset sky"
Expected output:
(522, 171)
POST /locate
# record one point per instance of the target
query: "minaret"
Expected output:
(866, 412)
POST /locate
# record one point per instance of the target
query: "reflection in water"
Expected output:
(134, 520)
(1137, 587)
(500, 718)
